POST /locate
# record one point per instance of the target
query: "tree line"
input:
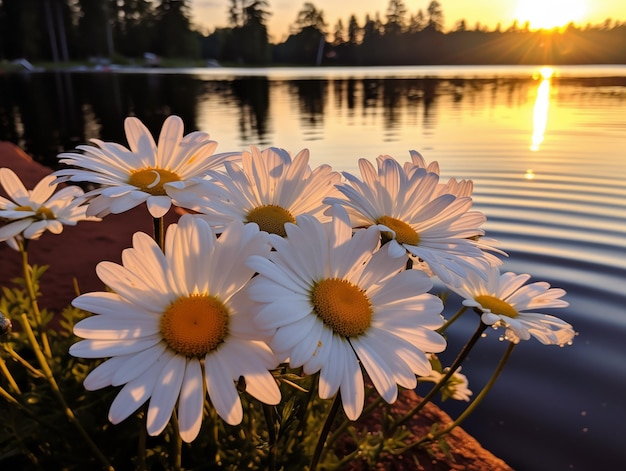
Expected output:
(67, 30)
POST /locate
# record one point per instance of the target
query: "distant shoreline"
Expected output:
(439, 70)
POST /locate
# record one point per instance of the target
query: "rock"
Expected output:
(465, 453)
(75, 252)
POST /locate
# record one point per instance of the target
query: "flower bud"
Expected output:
(5, 324)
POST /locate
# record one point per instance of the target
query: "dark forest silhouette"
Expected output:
(50, 112)
(122, 32)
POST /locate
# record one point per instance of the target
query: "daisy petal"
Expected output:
(101, 328)
(352, 388)
(110, 348)
(135, 364)
(13, 185)
(135, 393)
(222, 391)
(139, 138)
(331, 374)
(377, 369)
(158, 206)
(102, 375)
(191, 402)
(252, 360)
(165, 394)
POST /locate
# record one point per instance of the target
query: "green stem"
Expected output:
(450, 321)
(16, 356)
(28, 280)
(43, 363)
(304, 394)
(159, 231)
(330, 418)
(142, 440)
(6, 395)
(455, 365)
(7, 374)
(177, 444)
(268, 412)
(477, 400)
(348, 459)
(217, 456)
(346, 423)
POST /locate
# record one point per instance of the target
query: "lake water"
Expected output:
(547, 154)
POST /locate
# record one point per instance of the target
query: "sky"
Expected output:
(209, 14)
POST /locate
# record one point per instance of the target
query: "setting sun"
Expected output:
(548, 14)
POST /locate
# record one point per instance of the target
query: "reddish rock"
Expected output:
(77, 250)
(464, 452)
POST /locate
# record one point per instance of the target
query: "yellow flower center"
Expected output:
(44, 213)
(495, 305)
(195, 325)
(405, 234)
(151, 180)
(342, 306)
(41, 213)
(271, 218)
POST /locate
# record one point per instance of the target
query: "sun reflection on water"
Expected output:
(540, 112)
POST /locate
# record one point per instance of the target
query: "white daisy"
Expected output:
(453, 186)
(337, 303)
(505, 301)
(418, 161)
(158, 175)
(176, 323)
(269, 188)
(458, 188)
(457, 386)
(438, 229)
(29, 213)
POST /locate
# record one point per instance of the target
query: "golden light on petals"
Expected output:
(195, 325)
(271, 218)
(152, 180)
(496, 306)
(344, 307)
(405, 234)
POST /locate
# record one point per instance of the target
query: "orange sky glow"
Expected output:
(209, 14)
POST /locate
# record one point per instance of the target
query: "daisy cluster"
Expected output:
(272, 263)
